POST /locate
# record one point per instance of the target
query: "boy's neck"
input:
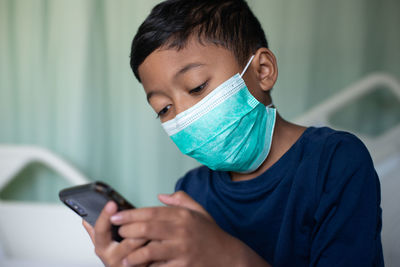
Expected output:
(285, 135)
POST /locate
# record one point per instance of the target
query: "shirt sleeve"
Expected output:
(348, 218)
(178, 185)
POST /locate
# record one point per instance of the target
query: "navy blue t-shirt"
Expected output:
(318, 205)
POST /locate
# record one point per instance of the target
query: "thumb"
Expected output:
(183, 200)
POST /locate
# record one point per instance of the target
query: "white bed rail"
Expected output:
(35, 233)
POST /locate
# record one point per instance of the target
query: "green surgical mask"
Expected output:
(228, 130)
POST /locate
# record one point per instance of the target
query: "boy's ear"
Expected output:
(266, 69)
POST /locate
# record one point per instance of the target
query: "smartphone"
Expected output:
(88, 200)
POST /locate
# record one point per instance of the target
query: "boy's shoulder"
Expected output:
(329, 136)
(341, 160)
(340, 144)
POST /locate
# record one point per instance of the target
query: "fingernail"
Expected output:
(164, 196)
(116, 218)
(166, 199)
(125, 262)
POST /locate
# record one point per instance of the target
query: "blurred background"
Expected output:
(66, 86)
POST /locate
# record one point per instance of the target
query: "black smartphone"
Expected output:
(88, 200)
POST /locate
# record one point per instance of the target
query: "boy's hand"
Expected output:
(182, 234)
(109, 251)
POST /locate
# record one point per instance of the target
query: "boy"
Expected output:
(270, 193)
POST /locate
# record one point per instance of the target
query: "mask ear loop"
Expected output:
(244, 70)
(247, 65)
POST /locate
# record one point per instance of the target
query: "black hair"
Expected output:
(227, 23)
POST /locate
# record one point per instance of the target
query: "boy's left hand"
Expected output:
(182, 234)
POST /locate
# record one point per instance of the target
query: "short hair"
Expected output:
(226, 23)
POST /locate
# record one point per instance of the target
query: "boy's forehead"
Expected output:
(165, 63)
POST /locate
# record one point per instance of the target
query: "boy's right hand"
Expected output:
(109, 251)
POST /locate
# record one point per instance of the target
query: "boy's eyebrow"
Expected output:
(188, 67)
(150, 94)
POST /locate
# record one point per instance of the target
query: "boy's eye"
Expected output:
(198, 89)
(163, 111)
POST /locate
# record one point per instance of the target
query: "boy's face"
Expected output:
(176, 80)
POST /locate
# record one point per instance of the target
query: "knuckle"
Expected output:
(152, 212)
(184, 233)
(179, 196)
(131, 244)
(185, 214)
(184, 262)
(126, 243)
(128, 215)
(146, 253)
(184, 249)
(144, 229)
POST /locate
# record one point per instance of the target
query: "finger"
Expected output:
(180, 199)
(171, 263)
(89, 229)
(102, 228)
(150, 230)
(155, 251)
(157, 264)
(144, 214)
(126, 247)
(183, 200)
